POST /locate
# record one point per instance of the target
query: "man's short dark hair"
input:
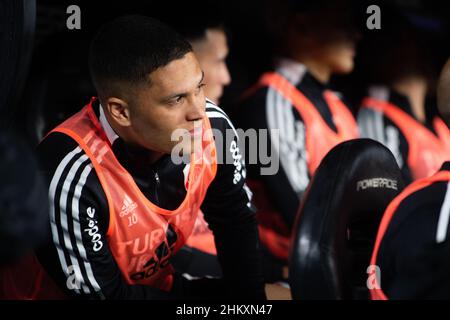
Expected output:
(129, 48)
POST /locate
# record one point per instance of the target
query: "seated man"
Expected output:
(412, 249)
(209, 43)
(121, 201)
(394, 111)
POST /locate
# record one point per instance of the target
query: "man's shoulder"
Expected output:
(432, 193)
(218, 118)
(67, 167)
(425, 202)
(58, 151)
(56, 145)
(419, 213)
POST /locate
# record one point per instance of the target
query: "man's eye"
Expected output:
(176, 100)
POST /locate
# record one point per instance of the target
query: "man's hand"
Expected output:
(277, 292)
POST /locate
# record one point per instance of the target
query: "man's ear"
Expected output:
(119, 111)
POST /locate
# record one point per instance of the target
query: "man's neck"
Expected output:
(415, 90)
(317, 70)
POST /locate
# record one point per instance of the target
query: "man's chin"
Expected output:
(215, 98)
(344, 68)
(188, 149)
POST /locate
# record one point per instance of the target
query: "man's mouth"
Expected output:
(196, 132)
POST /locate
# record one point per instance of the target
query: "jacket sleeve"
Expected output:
(285, 142)
(230, 216)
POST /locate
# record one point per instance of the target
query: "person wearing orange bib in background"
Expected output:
(316, 40)
(121, 205)
(395, 112)
(411, 257)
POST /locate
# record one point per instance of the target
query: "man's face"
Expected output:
(339, 56)
(333, 39)
(211, 52)
(174, 99)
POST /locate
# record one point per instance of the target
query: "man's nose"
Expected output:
(225, 75)
(197, 109)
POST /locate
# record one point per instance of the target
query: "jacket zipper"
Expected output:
(157, 186)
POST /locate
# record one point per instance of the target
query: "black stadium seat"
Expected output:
(336, 225)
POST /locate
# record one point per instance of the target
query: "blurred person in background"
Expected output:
(120, 206)
(208, 39)
(412, 248)
(313, 41)
(209, 42)
(394, 112)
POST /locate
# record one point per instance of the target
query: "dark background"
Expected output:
(57, 82)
